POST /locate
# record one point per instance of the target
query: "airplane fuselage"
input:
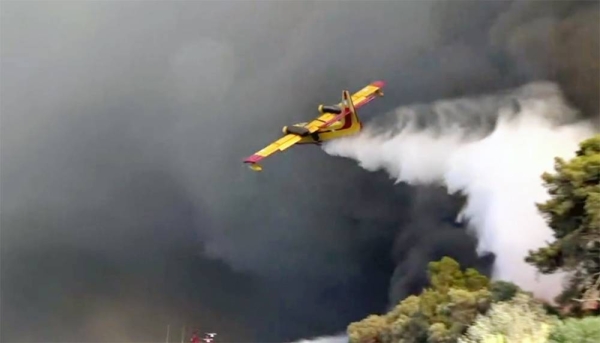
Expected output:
(333, 131)
(347, 126)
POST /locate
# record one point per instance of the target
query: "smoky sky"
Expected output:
(124, 204)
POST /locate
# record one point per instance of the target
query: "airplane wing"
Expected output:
(279, 145)
(358, 99)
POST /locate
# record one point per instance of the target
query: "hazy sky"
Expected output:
(125, 206)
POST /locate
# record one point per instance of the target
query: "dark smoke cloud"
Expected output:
(124, 204)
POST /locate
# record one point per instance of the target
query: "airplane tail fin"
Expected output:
(347, 102)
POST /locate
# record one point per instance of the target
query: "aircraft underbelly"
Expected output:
(307, 140)
(325, 136)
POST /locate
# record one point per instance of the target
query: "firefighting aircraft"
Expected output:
(335, 121)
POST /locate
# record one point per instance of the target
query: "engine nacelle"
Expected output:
(329, 109)
(296, 130)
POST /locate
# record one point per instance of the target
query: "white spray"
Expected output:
(341, 338)
(499, 174)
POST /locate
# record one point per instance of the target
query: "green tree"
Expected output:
(521, 319)
(503, 290)
(368, 330)
(572, 330)
(440, 314)
(573, 213)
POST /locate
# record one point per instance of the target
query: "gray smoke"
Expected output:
(125, 207)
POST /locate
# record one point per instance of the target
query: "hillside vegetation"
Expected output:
(465, 306)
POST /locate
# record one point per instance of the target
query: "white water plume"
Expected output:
(342, 338)
(498, 172)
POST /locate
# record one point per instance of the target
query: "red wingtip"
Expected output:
(379, 84)
(253, 159)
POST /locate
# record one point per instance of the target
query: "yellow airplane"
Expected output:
(335, 121)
